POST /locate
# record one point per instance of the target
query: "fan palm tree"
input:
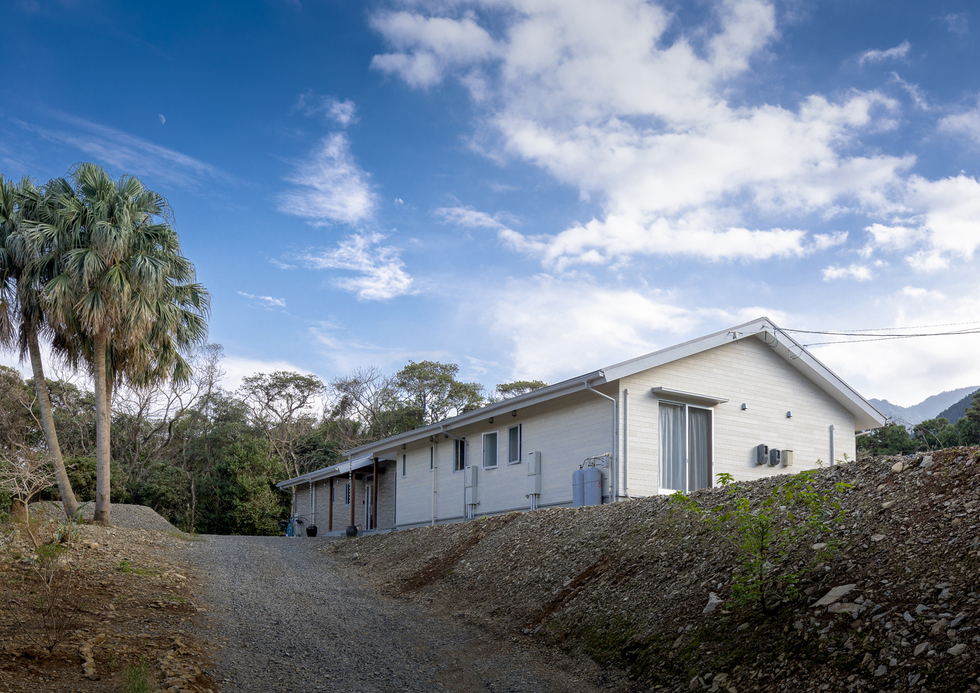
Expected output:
(126, 302)
(22, 318)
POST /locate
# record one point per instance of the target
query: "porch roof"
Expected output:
(327, 472)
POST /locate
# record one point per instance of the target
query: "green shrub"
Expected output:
(772, 534)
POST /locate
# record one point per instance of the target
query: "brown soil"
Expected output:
(627, 585)
(118, 600)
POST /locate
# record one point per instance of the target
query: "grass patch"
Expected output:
(127, 567)
(137, 679)
(175, 598)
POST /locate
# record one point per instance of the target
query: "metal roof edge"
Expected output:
(538, 396)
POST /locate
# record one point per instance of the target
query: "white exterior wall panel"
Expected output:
(744, 371)
(565, 432)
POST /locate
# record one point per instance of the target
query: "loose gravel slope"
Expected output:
(285, 615)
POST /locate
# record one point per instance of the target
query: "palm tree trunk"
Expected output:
(102, 499)
(47, 422)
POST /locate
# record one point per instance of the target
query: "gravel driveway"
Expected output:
(285, 616)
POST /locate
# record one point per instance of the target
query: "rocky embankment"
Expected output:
(897, 607)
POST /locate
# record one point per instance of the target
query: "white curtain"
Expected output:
(672, 474)
(699, 449)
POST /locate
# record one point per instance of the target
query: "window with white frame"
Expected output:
(404, 465)
(459, 455)
(347, 493)
(514, 444)
(489, 450)
(685, 447)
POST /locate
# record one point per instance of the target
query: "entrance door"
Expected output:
(368, 502)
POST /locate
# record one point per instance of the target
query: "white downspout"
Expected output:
(613, 491)
(312, 503)
(626, 442)
(832, 452)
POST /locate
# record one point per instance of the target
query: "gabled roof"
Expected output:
(865, 414)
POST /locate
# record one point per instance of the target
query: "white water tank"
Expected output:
(593, 486)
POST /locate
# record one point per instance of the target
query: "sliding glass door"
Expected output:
(685, 447)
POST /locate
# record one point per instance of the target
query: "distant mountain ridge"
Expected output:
(958, 410)
(929, 408)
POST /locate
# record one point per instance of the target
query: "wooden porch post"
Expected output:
(374, 496)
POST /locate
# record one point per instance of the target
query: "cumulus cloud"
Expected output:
(426, 46)
(330, 186)
(382, 272)
(676, 167)
(861, 273)
(876, 56)
(343, 113)
(918, 292)
(266, 301)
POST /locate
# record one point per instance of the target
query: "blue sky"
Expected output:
(533, 188)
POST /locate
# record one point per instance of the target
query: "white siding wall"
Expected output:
(565, 432)
(744, 371)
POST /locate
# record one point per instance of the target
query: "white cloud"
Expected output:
(331, 187)
(676, 168)
(906, 371)
(468, 217)
(958, 23)
(966, 124)
(433, 43)
(341, 112)
(561, 328)
(124, 152)
(266, 301)
(919, 293)
(237, 368)
(950, 212)
(383, 274)
(876, 56)
(861, 273)
(914, 91)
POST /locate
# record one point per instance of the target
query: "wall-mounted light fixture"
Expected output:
(514, 413)
(491, 419)
(789, 415)
(404, 446)
(744, 406)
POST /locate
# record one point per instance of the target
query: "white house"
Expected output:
(670, 420)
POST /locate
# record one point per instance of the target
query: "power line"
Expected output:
(879, 329)
(881, 337)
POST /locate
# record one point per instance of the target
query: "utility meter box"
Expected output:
(775, 457)
(761, 454)
(533, 473)
(469, 485)
(787, 458)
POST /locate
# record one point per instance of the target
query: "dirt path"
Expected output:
(285, 616)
